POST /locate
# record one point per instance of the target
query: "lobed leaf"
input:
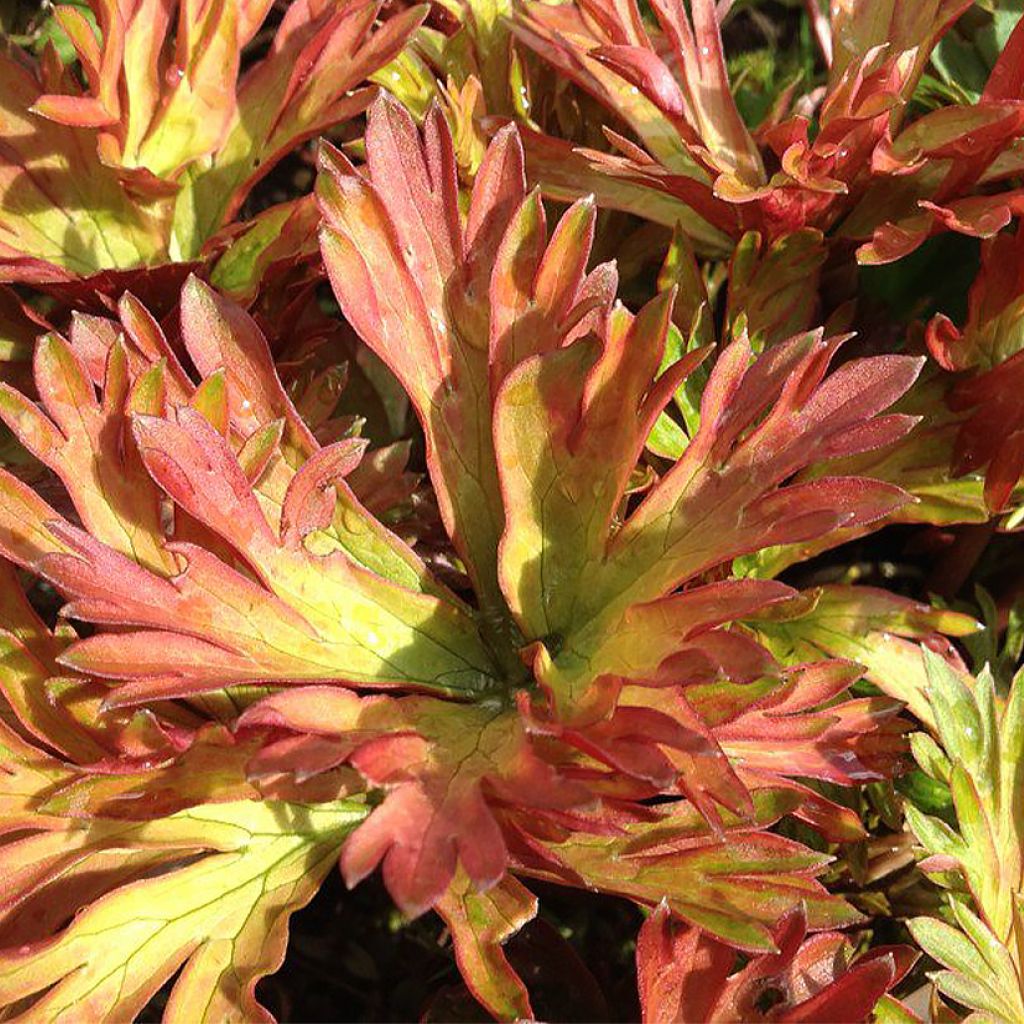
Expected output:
(220, 915)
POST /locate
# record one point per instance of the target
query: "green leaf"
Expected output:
(219, 910)
(52, 32)
(480, 922)
(930, 756)
(734, 887)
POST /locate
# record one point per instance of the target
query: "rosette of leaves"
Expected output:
(272, 681)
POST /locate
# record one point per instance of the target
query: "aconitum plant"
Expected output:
(509, 509)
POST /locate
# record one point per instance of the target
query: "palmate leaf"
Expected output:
(458, 770)
(679, 530)
(440, 765)
(746, 878)
(219, 627)
(564, 448)
(231, 876)
(237, 629)
(317, 616)
(159, 175)
(101, 905)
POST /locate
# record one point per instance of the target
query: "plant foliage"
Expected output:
(518, 450)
